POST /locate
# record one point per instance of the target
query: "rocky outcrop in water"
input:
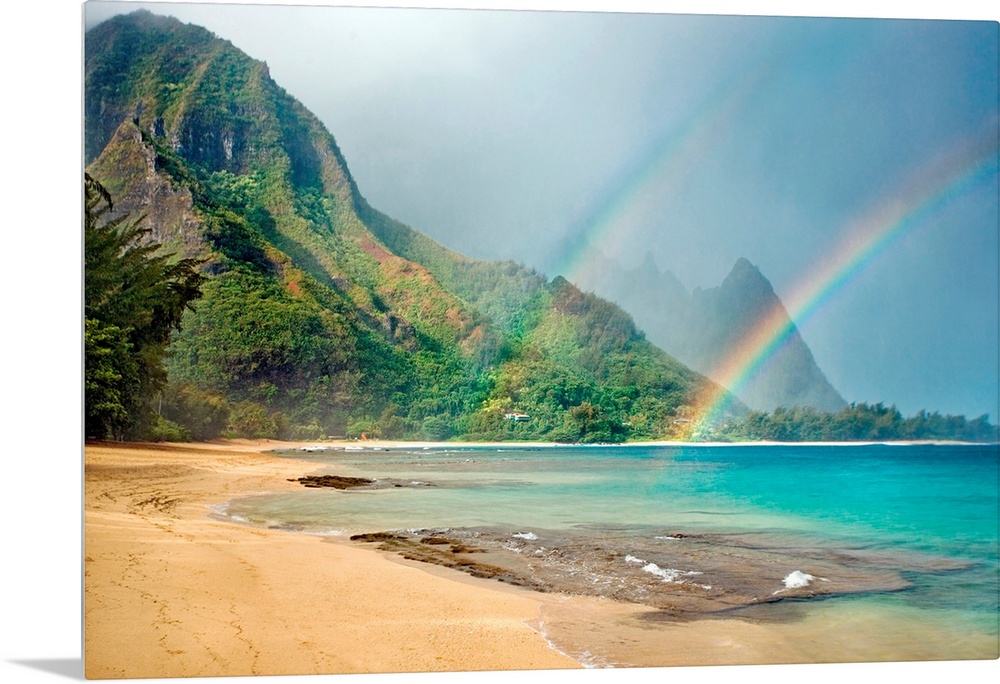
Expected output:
(344, 482)
(684, 576)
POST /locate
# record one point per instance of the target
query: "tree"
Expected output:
(595, 424)
(134, 297)
(111, 375)
(204, 414)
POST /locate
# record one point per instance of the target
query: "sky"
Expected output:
(699, 139)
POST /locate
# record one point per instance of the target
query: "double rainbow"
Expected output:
(939, 182)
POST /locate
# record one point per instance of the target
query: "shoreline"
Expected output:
(187, 594)
(378, 444)
(171, 592)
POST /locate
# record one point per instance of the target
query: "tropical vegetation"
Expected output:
(134, 299)
(244, 287)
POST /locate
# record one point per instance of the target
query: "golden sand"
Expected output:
(170, 592)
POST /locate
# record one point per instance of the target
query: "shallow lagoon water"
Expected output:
(879, 539)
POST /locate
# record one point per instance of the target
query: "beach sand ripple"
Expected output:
(171, 592)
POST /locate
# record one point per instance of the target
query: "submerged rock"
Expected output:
(683, 576)
(334, 481)
(344, 482)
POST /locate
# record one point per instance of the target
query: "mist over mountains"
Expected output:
(701, 328)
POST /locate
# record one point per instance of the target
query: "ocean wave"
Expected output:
(221, 512)
(666, 574)
(220, 508)
(798, 580)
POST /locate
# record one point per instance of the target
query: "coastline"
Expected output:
(171, 592)
(378, 444)
(186, 594)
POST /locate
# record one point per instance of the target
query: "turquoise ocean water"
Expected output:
(904, 534)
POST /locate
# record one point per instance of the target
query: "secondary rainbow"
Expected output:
(653, 169)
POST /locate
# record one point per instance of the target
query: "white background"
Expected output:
(41, 564)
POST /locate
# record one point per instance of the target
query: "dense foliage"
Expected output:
(134, 298)
(857, 422)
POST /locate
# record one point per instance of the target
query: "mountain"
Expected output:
(321, 315)
(702, 327)
(791, 376)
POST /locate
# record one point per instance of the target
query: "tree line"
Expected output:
(856, 423)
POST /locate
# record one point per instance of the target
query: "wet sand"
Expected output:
(169, 591)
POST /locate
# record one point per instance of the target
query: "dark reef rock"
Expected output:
(447, 552)
(344, 482)
(334, 481)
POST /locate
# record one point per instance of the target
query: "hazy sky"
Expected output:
(700, 139)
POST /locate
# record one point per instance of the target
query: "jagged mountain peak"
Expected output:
(648, 264)
(702, 327)
(746, 278)
(743, 272)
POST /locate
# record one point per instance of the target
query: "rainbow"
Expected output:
(939, 182)
(653, 168)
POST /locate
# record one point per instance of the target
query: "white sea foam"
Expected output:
(330, 533)
(222, 511)
(587, 659)
(219, 509)
(798, 580)
(666, 574)
(530, 536)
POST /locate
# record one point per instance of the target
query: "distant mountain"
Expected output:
(321, 315)
(702, 327)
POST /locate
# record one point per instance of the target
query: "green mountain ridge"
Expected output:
(320, 315)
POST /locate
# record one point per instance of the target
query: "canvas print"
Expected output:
(463, 340)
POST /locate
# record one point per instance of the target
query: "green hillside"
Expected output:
(320, 315)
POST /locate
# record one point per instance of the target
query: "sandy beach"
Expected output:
(170, 592)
